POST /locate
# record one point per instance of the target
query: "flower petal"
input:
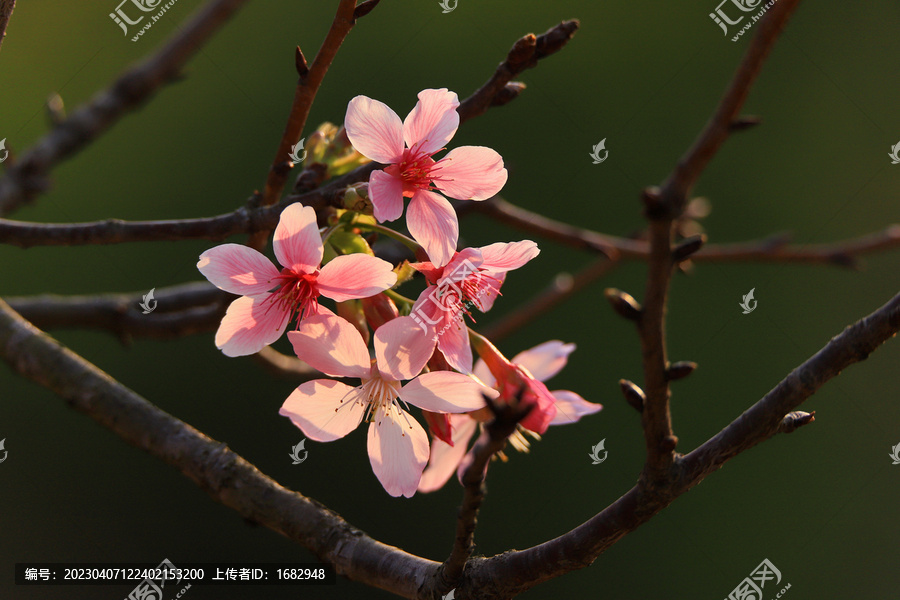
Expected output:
(444, 457)
(324, 409)
(570, 407)
(402, 348)
(446, 392)
(489, 291)
(470, 173)
(432, 221)
(484, 374)
(355, 276)
(453, 342)
(501, 257)
(297, 243)
(249, 325)
(398, 451)
(374, 130)
(238, 269)
(433, 122)
(386, 195)
(332, 345)
(545, 360)
(544, 410)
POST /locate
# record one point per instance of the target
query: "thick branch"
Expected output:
(222, 473)
(511, 573)
(28, 176)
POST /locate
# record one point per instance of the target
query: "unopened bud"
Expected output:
(680, 370)
(624, 304)
(688, 247)
(356, 198)
(634, 395)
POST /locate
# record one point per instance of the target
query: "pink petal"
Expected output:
(398, 451)
(324, 409)
(444, 457)
(502, 256)
(489, 291)
(544, 410)
(545, 360)
(464, 264)
(570, 407)
(374, 129)
(470, 173)
(355, 276)
(402, 348)
(250, 324)
(297, 243)
(433, 121)
(238, 269)
(446, 392)
(454, 345)
(386, 194)
(332, 345)
(432, 221)
(484, 374)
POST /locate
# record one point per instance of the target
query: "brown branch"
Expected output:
(775, 249)
(223, 474)
(310, 79)
(492, 440)
(675, 190)
(28, 176)
(284, 366)
(180, 310)
(511, 573)
(563, 287)
(6, 9)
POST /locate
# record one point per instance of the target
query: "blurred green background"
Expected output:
(820, 504)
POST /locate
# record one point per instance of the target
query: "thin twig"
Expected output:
(492, 440)
(179, 311)
(563, 287)
(310, 79)
(287, 367)
(28, 176)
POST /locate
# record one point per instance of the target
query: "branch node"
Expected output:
(669, 443)
(624, 304)
(364, 8)
(634, 395)
(687, 247)
(794, 420)
(680, 370)
(744, 122)
(301, 64)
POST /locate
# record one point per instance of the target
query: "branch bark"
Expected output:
(6, 10)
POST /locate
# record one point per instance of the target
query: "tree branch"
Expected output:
(6, 10)
(223, 474)
(28, 175)
(511, 573)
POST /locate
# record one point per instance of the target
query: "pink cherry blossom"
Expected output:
(326, 410)
(271, 298)
(465, 173)
(472, 278)
(541, 362)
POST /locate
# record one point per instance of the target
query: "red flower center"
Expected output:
(297, 294)
(416, 170)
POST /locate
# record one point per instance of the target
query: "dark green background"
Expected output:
(820, 504)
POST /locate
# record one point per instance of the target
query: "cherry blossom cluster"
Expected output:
(421, 351)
